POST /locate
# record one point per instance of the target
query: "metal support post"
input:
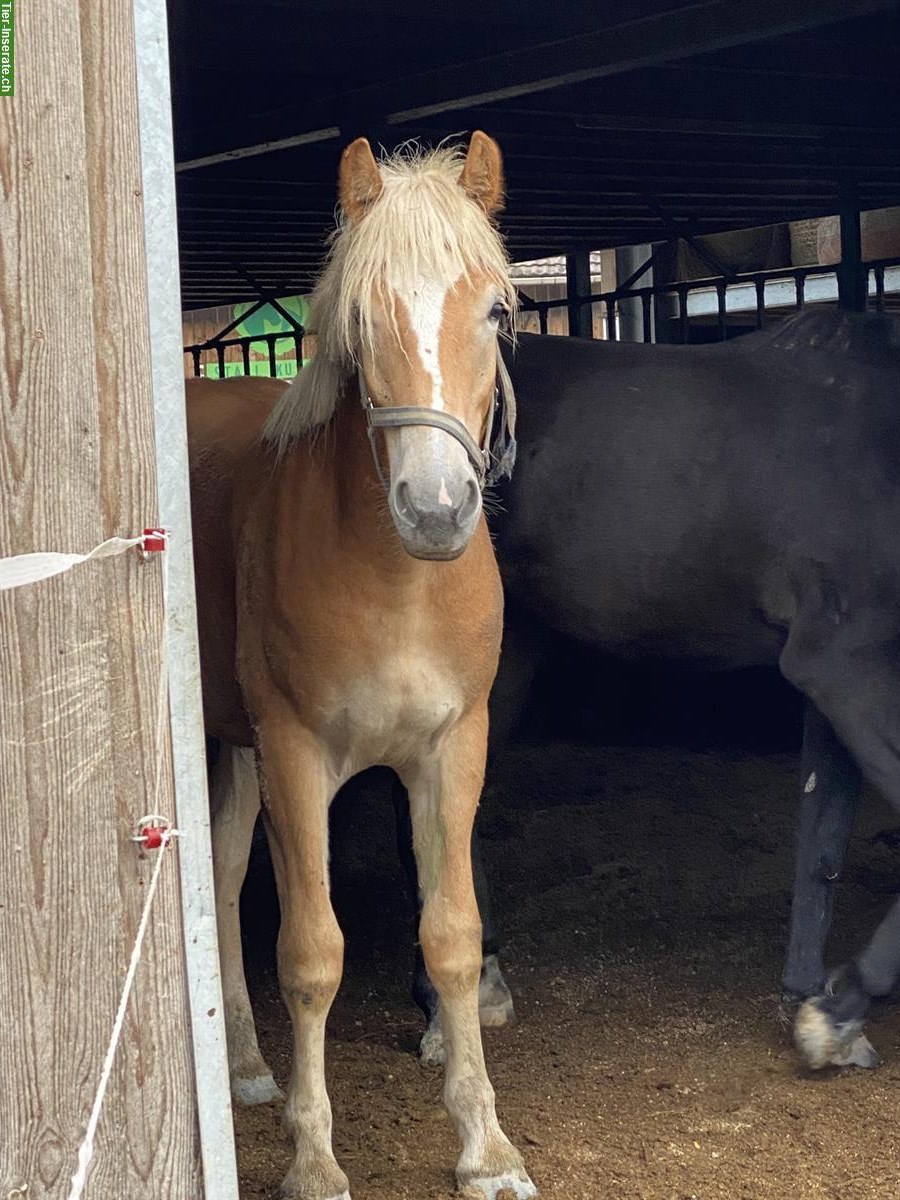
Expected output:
(578, 286)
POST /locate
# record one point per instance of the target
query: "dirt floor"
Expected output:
(644, 895)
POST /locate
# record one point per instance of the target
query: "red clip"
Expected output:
(153, 831)
(153, 836)
(155, 541)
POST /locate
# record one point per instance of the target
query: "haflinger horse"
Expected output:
(720, 507)
(350, 612)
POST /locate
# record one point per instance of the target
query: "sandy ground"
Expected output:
(644, 894)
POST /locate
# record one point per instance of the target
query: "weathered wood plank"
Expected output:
(79, 656)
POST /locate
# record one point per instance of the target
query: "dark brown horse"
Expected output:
(721, 507)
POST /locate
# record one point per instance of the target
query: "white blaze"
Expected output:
(424, 301)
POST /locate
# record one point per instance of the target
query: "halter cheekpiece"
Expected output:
(493, 460)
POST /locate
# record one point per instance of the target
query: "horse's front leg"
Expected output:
(444, 787)
(297, 790)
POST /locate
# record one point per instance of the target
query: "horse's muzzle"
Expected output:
(436, 526)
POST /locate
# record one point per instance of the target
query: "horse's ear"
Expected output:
(482, 175)
(359, 183)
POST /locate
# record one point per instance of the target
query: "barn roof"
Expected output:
(620, 123)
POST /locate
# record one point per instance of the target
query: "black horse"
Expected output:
(726, 506)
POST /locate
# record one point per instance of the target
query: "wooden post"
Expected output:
(578, 284)
(80, 655)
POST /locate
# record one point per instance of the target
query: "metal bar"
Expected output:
(291, 320)
(185, 707)
(273, 365)
(708, 257)
(254, 308)
(800, 288)
(245, 354)
(578, 287)
(542, 319)
(299, 139)
(682, 293)
(298, 350)
(720, 309)
(647, 316)
(878, 272)
(195, 356)
(760, 302)
(611, 331)
(220, 355)
(850, 272)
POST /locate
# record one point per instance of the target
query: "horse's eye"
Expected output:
(499, 312)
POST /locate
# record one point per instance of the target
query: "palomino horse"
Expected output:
(351, 611)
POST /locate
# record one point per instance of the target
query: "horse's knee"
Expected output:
(310, 961)
(451, 943)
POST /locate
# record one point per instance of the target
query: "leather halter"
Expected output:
(491, 461)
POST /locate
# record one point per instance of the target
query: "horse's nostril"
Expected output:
(469, 505)
(404, 504)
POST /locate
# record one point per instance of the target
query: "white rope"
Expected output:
(86, 1150)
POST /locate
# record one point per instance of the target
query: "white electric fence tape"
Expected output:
(31, 568)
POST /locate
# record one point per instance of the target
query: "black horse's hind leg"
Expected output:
(848, 667)
(423, 992)
(525, 646)
(831, 785)
(495, 1004)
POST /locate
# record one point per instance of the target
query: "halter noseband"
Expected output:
(491, 461)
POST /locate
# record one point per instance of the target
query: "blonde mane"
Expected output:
(423, 223)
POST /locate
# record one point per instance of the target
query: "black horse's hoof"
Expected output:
(824, 1042)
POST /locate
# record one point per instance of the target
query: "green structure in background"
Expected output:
(260, 324)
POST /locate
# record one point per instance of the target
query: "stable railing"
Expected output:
(219, 346)
(750, 292)
(753, 291)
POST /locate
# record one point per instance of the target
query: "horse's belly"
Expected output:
(680, 611)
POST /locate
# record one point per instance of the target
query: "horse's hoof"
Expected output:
(262, 1089)
(291, 1195)
(431, 1047)
(500, 1187)
(824, 1043)
(315, 1181)
(495, 1002)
